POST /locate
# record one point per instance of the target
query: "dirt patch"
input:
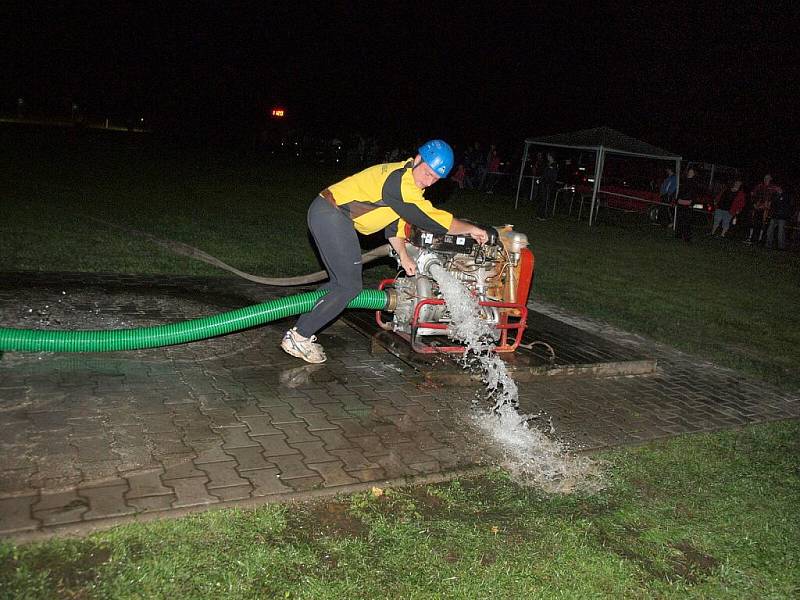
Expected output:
(587, 508)
(431, 506)
(625, 548)
(483, 509)
(694, 564)
(452, 556)
(67, 577)
(418, 502)
(410, 501)
(682, 511)
(645, 489)
(327, 519)
(691, 565)
(482, 488)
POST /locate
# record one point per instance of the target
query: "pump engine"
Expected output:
(498, 274)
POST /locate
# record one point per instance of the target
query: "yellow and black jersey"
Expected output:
(384, 197)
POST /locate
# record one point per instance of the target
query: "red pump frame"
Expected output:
(505, 326)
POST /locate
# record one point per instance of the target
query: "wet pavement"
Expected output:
(90, 440)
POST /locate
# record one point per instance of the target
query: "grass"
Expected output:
(706, 516)
(721, 301)
(697, 516)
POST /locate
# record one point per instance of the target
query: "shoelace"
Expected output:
(297, 343)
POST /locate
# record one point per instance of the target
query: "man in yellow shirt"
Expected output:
(384, 197)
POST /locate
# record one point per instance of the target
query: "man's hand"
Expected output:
(459, 227)
(399, 246)
(479, 235)
(409, 266)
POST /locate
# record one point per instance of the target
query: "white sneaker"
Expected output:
(295, 344)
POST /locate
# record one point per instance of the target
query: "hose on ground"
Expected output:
(44, 340)
(191, 252)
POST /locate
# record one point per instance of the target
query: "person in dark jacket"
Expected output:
(548, 186)
(689, 191)
(780, 212)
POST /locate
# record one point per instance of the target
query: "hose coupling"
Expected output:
(391, 300)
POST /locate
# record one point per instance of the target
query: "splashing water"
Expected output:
(477, 335)
(529, 455)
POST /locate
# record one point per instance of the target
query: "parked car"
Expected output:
(637, 191)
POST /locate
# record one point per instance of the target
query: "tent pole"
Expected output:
(598, 173)
(521, 171)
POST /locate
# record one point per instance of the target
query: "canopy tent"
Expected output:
(602, 141)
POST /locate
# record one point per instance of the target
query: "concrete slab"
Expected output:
(549, 348)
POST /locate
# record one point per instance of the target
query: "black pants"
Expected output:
(338, 246)
(757, 226)
(546, 191)
(683, 222)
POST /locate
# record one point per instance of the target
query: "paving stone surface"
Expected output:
(88, 438)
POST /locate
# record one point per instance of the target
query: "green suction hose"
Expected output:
(42, 340)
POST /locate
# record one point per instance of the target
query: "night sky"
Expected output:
(706, 80)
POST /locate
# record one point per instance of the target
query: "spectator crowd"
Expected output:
(768, 215)
(765, 214)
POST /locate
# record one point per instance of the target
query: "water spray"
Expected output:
(529, 454)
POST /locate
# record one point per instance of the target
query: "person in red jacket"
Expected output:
(728, 204)
(459, 173)
(759, 215)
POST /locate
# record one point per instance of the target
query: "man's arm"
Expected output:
(462, 227)
(410, 212)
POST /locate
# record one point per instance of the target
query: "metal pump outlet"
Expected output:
(498, 274)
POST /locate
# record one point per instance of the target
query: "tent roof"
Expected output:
(610, 139)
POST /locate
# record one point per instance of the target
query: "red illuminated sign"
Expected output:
(278, 113)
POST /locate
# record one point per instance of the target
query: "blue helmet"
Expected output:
(438, 155)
